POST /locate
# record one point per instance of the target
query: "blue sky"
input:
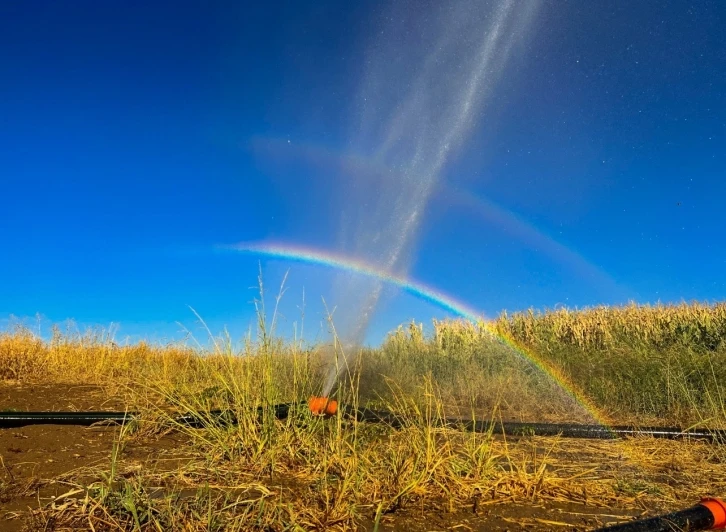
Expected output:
(137, 137)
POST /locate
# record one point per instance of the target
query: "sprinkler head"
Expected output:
(322, 406)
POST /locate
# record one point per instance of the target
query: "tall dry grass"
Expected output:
(648, 363)
(663, 361)
(308, 473)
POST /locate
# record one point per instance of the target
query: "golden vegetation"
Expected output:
(310, 473)
(696, 326)
(664, 361)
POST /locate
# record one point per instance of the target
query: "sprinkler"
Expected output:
(322, 406)
(709, 514)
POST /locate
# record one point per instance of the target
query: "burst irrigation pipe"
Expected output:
(329, 407)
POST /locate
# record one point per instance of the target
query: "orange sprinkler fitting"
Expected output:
(322, 406)
(718, 509)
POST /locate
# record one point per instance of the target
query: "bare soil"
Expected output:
(37, 463)
(508, 517)
(36, 460)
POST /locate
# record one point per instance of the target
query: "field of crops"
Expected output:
(641, 365)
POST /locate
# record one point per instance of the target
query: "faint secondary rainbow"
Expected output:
(326, 258)
(332, 160)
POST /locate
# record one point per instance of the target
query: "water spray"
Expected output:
(450, 60)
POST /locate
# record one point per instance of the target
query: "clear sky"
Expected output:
(135, 137)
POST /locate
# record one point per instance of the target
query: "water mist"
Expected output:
(429, 74)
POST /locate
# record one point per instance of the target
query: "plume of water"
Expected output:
(428, 76)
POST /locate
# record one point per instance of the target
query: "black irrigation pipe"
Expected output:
(281, 411)
(10, 420)
(709, 514)
(568, 430)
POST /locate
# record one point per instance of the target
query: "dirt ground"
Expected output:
(36, 460)
(36, 463)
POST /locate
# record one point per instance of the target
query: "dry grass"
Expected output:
(665, 362)
(306, 473)
(696, 325)
(342, 482)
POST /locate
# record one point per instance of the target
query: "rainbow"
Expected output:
(340, 262)
(326, 258)
(480, 206)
